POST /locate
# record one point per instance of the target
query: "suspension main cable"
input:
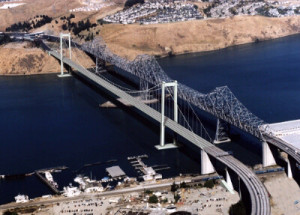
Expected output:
(202, 127)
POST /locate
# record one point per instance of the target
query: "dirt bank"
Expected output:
(25, 59)
(195, 36)
(285, 194)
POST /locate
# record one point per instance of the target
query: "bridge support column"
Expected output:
(206, 165)
(227, 183)
(163, 118)
(268, 157)
(222, 132)
(100, 66)
(228, 180)
(289, 169)
(62, 74)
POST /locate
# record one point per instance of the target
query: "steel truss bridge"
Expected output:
(220, 102)
(259, 199)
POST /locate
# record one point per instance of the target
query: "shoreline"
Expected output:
(222, 49)
(28, 74)
(166, 55)
(161, 40)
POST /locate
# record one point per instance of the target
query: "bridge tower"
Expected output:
(222, 132)
(62, 35)
(163, 119)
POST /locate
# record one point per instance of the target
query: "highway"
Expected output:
(288, 148)
(260, 204)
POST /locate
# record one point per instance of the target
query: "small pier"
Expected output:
(136, 157)
(95, 164)
(54, 189)
(52, 169)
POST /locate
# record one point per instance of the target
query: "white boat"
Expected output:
(21, 198)
(71, 191)
(48, 176)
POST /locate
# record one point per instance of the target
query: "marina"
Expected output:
(147, 173)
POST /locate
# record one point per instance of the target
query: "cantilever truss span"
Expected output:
(220, 102)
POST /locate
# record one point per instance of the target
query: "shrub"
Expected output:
(10, 213)
(174, 187)
(209, 184)
(148, 192)
(176, 197)
(183, 185)
(153, 199)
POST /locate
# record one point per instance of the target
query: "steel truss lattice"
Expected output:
(220, 102)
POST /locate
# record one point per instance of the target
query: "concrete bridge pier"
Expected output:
(293, 169)
(267, 155)
(206, 164)
(228, 180)
(233, 183)
(289, 169)
(222, 132)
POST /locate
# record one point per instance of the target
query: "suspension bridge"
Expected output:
(220, 102)
(179, 115)
(160, 103)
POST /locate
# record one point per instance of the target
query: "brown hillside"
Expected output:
(53, 8)
(195, 36)
(24, 59)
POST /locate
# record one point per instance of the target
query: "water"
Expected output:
(46, 121)
(264, 76)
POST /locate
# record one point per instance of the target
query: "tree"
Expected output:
(183, 185)
(148, 192)
(64, 27)
(176, 197)
(174, 187)
(237, 209)
(209, 184)
(153, 199)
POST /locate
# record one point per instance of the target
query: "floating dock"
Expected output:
(51, 169)
(95, 164)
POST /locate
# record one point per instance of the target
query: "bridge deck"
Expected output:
(258, 194)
